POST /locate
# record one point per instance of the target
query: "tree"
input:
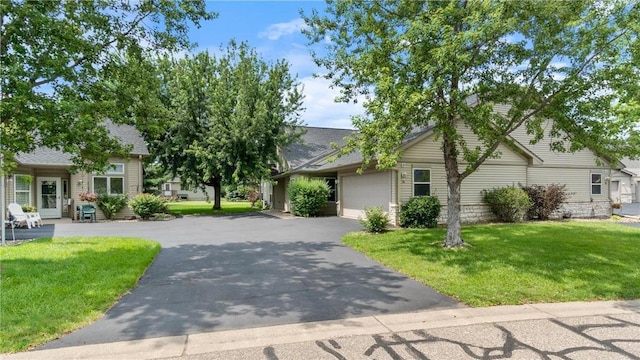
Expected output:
(57, 60)
(226, 117)
(446, 63)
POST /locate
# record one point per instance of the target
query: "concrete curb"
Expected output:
(185, 345)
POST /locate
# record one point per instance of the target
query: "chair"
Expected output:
(87, 211)
(36, 219)
(19, 217)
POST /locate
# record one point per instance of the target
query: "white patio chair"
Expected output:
(36, 219)
(19, 217)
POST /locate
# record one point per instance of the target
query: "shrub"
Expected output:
(308, 196)
(253, 196)
(508, 204)
(375, 220)
(420, 212)
(145, 205)
(111, 204)
(29, 208)
(545, 199)
(258, 204)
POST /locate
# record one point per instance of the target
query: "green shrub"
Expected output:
(375, 220)
(308, 196)
(508, 204)
(146, 205)
(29, 208)
(111, 204)
(420, 212)
(545, 199)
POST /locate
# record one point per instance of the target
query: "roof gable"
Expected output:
(314, 144)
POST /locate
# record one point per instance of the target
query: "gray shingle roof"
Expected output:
(127, 135)
(315, 143)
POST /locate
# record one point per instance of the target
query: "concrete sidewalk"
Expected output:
(586, 330)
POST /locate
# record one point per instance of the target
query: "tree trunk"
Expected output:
(454, 179)
(217, 189)
(454, 226)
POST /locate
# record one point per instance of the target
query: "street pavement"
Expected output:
(578, 330)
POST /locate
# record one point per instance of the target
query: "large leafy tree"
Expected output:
(226, 117)
(59, 60)
(446, 63)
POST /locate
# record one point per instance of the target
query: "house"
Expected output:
(174, 188)
(43, 178)
(420, 171)
(625, 182)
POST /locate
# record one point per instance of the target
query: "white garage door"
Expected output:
(363, 191)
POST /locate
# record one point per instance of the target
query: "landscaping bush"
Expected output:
(545, 199)
(375, 220)
(145, 205)
(253, 196)
(111, 204)
(29, 208)
(308, 196)
(420, 212)
(508, 204)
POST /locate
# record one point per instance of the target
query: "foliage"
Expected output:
(67, 63)
(53, 286)
(204, 208)
(258, 204)
(445, 64)
(111, 204)
(420, 212)
(307, 196)
(29, 208)
(154, 177)
(253, 196)
(538, 262)
(508, 204)
(229, 114)
(545, 199)
(375, 220)
(146, 205)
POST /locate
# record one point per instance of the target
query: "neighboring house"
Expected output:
(420, 171)
(43, 177)
(174, 188)
(625, 183)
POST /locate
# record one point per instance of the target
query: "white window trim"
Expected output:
(413, 180)
(16, 191)
(124, 188)
(591, 184)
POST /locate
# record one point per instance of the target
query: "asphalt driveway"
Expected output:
(221, 273)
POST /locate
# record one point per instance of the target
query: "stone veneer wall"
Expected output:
(480, 213)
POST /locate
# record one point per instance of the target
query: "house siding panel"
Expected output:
(577, 180)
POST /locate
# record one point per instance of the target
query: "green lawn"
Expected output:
(516, 263)
(50, 287)
(205, 208)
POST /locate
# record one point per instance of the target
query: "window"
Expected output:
(108, 185)
(167, 187)
(115, 169)
(596, 184)
(421, 182)
(23, 189)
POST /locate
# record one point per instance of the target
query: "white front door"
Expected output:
(49, 199)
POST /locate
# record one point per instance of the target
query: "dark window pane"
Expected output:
(332, 189)
(596, 178)
(100, 185)
(596, 189)
(117, 185)
(421, 190)
(420, 175)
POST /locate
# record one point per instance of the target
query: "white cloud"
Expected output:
(276, 31)
(322, 110)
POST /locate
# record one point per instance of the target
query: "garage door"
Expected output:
(362, 191)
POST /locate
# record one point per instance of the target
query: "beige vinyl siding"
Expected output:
(578, 181)
(486, 177)
(579, 159)
(429, 150)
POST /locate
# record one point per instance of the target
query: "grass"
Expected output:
(205, 208)
(516, 263)
(50, 287)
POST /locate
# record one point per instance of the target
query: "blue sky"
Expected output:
(273, 29)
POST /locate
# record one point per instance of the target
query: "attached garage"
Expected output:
(362, 191)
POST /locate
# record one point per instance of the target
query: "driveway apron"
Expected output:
(235, 272)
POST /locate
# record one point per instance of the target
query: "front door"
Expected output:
(49, 199)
